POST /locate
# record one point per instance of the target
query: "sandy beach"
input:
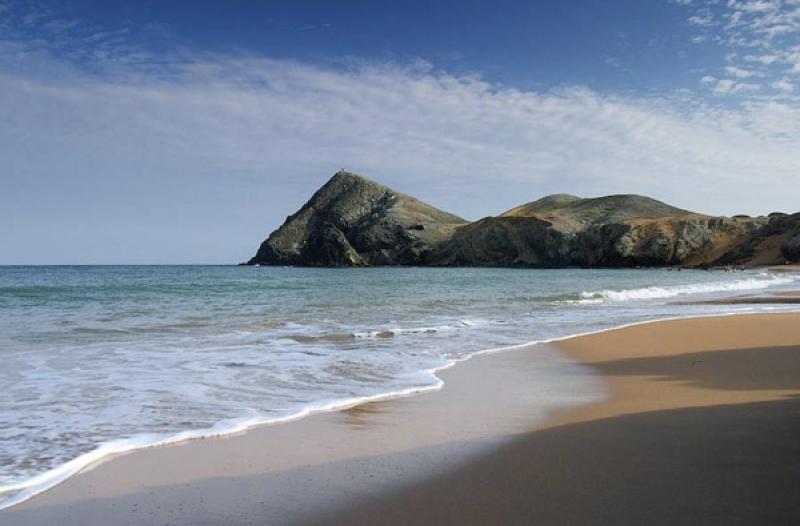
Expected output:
(683, 421)
(419, 263)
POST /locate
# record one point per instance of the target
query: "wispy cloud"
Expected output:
(247, 114)
(728, 86)
(704, 19)
(784, 85)
(248, 137)
(741, 73)
(31, 28)
(764, 36)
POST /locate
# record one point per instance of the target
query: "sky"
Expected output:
(185, 132)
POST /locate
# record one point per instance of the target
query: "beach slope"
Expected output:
(701, 428)
(698, 425)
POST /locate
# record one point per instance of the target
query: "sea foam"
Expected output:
(120, 358)
(761, 282)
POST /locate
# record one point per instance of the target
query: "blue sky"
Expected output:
(178, 132)
(525, 44)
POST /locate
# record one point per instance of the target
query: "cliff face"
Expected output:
(777, 241)
(788, 231)
(686, 239)
(352, 221)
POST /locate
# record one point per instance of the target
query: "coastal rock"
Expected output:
(559, 238)
(788, 228)
(352, 221)
(791, 249)
(775, 240)
(502, 242)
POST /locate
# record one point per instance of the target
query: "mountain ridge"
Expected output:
(354, 221)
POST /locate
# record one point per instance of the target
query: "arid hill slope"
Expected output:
(352, 221)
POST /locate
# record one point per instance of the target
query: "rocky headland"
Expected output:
(352, 221)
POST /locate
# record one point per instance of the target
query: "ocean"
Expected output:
(102, 359)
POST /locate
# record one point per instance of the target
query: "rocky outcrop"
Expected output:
(352, 221)
(687, 239)
(791, 248)
(503, 242)
(613, 231)
(776, 242)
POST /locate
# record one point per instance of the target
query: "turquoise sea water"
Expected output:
(99, 359)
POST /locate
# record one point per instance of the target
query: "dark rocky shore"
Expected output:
(352, 221)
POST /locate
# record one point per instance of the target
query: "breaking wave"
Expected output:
(762, 281)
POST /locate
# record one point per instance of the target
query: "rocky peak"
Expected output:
(352, 220)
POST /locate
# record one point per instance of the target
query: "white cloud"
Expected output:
(793, 59)
(783, 85)
(240, 115)
(740, 73)
(724, 86)
(762, 36)
(703, 20)
(763, 59)
(729, 86)
(755, 6)
(215, 150)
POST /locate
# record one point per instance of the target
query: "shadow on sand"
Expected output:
(726, 465)
(767, 368)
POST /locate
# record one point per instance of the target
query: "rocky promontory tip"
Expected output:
(353, 221)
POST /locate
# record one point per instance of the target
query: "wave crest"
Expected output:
(649, 293)
(379, 333)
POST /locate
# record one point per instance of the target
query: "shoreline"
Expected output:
(232, 426)
(416, 436)
(237, 426)
(700, 427)
(389, 399)
(110, 450)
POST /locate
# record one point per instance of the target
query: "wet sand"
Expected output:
(783, 299)
(701, 428)
(290, 473)
(786, 297)
(699, 425)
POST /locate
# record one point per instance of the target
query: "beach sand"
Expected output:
(699, 426)
(292, 472)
